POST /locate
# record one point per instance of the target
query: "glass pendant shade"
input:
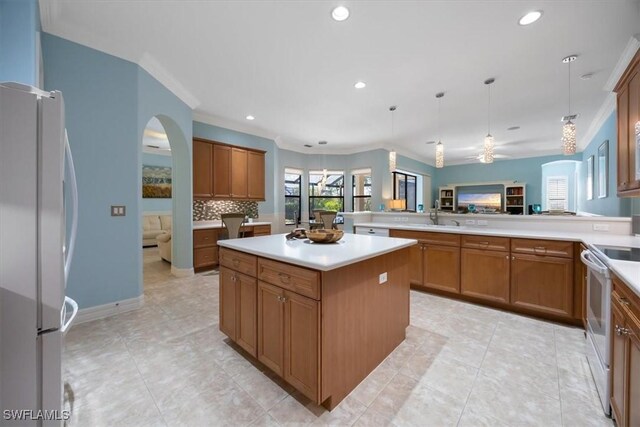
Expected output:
(439, 155)
(569, 138)
(487, 153)
(392, 161)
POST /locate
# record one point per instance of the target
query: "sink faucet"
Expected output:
(457, 223)
(432, 217)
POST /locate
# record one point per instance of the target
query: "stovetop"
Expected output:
(622, 254)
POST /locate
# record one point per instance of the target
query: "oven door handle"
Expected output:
(593, 262)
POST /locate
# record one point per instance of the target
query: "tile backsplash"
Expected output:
(210, 210)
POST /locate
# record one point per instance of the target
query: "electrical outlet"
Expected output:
(382, 278)
(600, 227)
(482, 222)
(470, 222)
(118, 210)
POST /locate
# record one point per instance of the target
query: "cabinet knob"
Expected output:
(233, 278)
(620, 331)
(624, 301)
(513, 258)
(507, 257)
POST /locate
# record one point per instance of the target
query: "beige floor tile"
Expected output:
(345, 414)
(264, 390)
(293, 411)
(367, 391)
(450, 377)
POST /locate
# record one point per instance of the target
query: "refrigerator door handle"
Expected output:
(74, 306)
(74, 207)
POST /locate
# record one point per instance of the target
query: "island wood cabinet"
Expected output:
(485, 267)
(222, 171)
(238, 308)
(435, 260)
(625, 355)
(628, 114)
(525, 275)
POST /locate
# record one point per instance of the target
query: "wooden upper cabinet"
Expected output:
(628, 94)
(256, 177)
(202, 177)
(221, 171)
(239, 173)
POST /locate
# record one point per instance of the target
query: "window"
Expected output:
(292, 187)
(590, 178)
(326, 191)
(361, 194)
(405, 187)
(557, 193)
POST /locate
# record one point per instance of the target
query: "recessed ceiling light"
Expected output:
(586, 76)
(322, 142)
(514, 128)
(340, 13)
(430, 142)
(250, 117)
(360, 85)
(530, 17)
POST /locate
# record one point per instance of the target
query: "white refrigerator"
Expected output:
(35, 254)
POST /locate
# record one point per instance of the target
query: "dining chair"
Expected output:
(232, 222)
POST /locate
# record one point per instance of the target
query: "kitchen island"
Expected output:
(321, 316)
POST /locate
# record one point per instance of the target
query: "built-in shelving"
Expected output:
(514, 199)
(447, 199)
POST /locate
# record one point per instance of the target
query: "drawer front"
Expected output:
(204, 238)
(491, 243)
(203, 257)
(261, 230)
(296, 279)
(542, 247)
(625, 298)
(445, 239)
(238, 261)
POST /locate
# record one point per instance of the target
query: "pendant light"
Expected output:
(392, 153)
(487, 151)
(569, 128)
(439, 146)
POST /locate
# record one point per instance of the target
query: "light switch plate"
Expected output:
(600, 227)
(118, 210)
(482, 222)
(383, 278)
(470, 222)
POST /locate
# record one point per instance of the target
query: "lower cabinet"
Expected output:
(288, 336)
(542, 283)
(485, 274)
(415, 258)
(441, 267)
(238, 303)
(625, 355)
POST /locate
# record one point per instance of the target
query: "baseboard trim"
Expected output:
(108, 310)
(181, 272)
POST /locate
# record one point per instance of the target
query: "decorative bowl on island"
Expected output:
(323, 235)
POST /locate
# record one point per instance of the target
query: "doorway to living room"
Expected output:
(157, 204)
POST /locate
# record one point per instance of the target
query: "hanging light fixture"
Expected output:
(392, 153)
(487, 151)
(569, 128)
(439, 146)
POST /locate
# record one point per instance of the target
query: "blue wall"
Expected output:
(611, 205)
(108, 103)
(19, 41)
(527, 170)
(156, 205)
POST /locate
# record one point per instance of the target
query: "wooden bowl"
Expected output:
(322, 235)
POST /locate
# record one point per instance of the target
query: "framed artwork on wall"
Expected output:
(156, 182)
(590, 178)
(603, 169)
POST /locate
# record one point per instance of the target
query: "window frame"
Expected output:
(299, 172)
(360, 172)
(415, 189)
(311, 185)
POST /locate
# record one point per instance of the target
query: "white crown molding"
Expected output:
(202, 117)
(605, 110)
(153, 67)
(627, 55)
(108, 310)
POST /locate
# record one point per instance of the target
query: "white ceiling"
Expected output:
(292, 67)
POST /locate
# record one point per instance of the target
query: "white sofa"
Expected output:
(152, 226)
(164, 246)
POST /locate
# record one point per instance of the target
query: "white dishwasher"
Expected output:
(372, 231)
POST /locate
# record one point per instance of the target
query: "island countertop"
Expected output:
(350, 249)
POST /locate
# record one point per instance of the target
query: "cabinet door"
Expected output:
(221, 171)
(542, 283)
(633, 376)
(227, 291)
(301, 337)
(415, 264)
(485, 274)
(255, 186)
(633, 118)
(618, 359)
(247, 311)
(623, 141)
(239, 173)
(271, 327)
(441, 268)
(202, 178)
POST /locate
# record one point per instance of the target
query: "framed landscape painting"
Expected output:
(156, 182)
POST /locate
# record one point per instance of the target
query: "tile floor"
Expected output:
(167, 364)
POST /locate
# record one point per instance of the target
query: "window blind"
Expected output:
(557, 193)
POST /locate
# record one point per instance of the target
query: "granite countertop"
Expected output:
(350, 249)
(628, 271)
(198, 225)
